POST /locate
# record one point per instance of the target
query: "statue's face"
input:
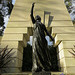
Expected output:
(38, 18)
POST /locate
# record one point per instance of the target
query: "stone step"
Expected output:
(24, 14)
(66, 45)
(11, 44)
(60, 73)
(65, 53)
(63, 29)
(16, 30)
(70, 62)
(19, 24)
(61, 23)
(64, 37)
(13, 37)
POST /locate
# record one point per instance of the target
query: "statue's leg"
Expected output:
(36, 61)
(34, 58)
(46, 57)
(47, 60)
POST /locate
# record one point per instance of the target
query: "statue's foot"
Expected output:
(46, 69)
(39, 69)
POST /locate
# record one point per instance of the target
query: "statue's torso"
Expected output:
(38, 30)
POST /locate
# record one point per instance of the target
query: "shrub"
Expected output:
(5, 58)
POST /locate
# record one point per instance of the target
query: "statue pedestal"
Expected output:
(41, 73)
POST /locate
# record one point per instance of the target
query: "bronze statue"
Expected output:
(41, 57)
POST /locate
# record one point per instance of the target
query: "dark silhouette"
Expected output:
(41, 57)
(1, 23)
(10, 5)
(27, 58)
(54, 59)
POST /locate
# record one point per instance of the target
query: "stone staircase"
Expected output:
(65, 40)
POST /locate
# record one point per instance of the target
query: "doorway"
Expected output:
(27, 56)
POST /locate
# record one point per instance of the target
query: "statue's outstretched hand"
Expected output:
(33, 4)
(52, 39)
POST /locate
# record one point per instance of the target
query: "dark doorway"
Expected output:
(54, 59)
(27, 58)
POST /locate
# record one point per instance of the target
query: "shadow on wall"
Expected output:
(50, 18)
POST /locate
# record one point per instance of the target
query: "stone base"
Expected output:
(41, 73)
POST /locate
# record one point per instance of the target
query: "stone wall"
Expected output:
(19, 29)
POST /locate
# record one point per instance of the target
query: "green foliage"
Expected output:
(67, 0)
(10, 5)
(74, 22)
(1, 20)
(5, 57)
(1, 23)
(68, 5)
(70, 11)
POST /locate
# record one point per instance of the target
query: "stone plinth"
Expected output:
(41, 73)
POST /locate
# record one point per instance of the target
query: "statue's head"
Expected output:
(37, 18)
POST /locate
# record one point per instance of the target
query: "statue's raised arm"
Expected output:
(31, 14)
